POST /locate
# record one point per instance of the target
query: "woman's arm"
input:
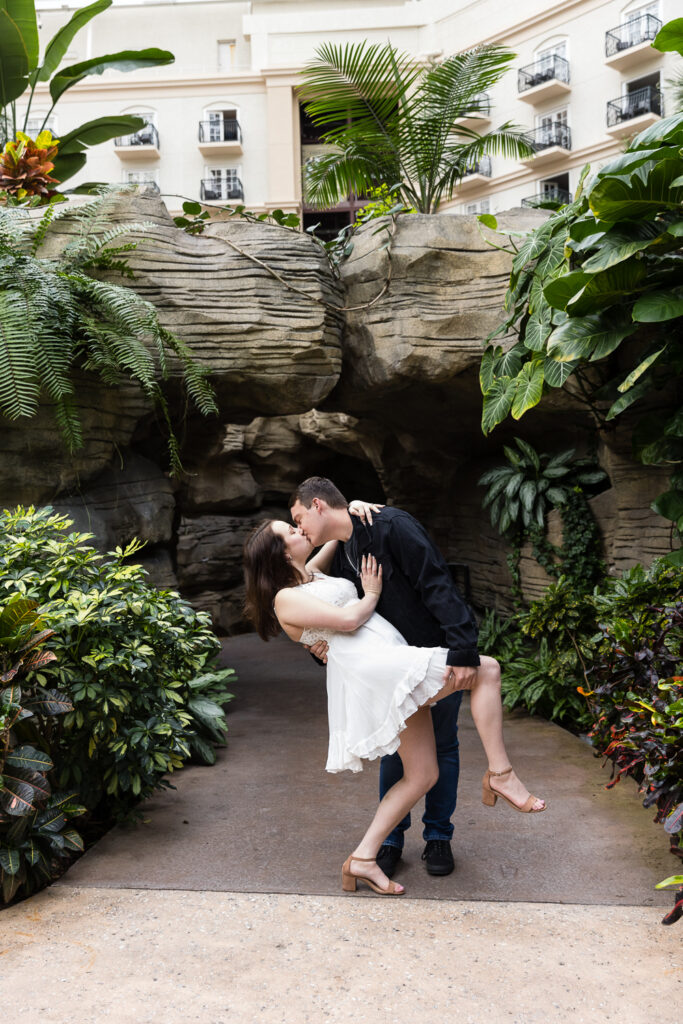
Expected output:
(296, 610)
(322, 561)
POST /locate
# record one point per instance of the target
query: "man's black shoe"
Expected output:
(387, 859)
(438, 856)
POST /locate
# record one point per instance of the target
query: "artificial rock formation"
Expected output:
(372, 383)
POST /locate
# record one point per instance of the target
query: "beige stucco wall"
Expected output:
(274, 39)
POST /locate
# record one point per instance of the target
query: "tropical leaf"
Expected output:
(529, 389)
(628, 399)
(59, 44)
(556, 373)
(530, 453)
(559, 292)
(618, 199)
(656, 307)
(10, 859)
(536, 333)
(124, 60)
(622, 242)
(14, 60)
(27, 756)
(640, 370)
(497, 403)
(588, 337)
(100, 130)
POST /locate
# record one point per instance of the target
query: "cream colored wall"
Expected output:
(276, 38)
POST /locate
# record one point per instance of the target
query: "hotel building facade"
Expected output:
(224, 122)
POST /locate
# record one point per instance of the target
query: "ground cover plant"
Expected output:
(130, 668)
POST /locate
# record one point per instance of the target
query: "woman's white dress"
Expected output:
(375, 680)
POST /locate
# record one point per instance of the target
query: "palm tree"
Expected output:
(395, 121)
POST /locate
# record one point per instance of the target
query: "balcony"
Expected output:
(634, 112)
(476, 174)
(629, 44)
(551, 142)
(479, 116)
(213, 189)
(544, 80)
(220, 138)
(143, 145)
(549, 200)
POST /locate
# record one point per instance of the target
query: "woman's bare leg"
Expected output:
(487, 713)
(420, 772)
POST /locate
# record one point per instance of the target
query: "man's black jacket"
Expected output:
(418, 595)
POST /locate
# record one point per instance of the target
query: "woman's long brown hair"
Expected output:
(266, 570)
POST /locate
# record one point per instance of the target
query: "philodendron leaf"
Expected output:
(621, 243)
(486, 374)
(536, 333)
(497, 403)
(608, 287)
(586, 337)
(561, 290)
(669, 505)
(628, 399)
(619, 199)
(557, 373)
(529, 389)
(655, 307)
(627, 384)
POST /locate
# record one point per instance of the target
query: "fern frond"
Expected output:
(19, 386)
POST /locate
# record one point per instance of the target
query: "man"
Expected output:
(421, 601)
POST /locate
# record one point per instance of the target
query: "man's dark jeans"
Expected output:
(441, 798)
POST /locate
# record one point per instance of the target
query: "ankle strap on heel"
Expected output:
(505, 771)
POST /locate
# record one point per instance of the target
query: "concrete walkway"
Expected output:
(226, 906)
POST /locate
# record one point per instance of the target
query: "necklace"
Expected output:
(354, 565)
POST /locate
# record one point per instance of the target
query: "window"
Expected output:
(35, 123)
(226, 54)
(140, 177)
(636, 22)
(222, 125)
(483, 206)
(546, 57)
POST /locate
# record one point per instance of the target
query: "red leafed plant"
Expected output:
(25, 166)
(637, 701)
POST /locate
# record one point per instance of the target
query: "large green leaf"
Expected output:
(557, 373)
(529, 389)
(559, 292)
(14, 63)
(670, 36)
(669, 505)
(624, 164)
(100, 130)
(60, 42)
(624, 401)
(10, 859)
(655, 307)
(497, 403)
(536, 333)
(23, 14)
(486, 374)
(586, 337)
(608, 288)
(621, 242)
(618, 199)
(125, 60)
(669, 129)
(68, 165)
(634, 375)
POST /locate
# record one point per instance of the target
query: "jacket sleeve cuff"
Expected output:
(466, 658)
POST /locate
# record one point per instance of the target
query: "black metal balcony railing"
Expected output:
(147, 136)
(557, 134)
(220, 131)
(549, 200)
(481, 166)
(623, 37)
(221, 188)
(634, 104)
(542, 71)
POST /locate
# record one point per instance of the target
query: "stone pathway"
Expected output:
(226, 906)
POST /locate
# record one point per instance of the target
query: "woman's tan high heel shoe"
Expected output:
(489, 795)
(349, 881)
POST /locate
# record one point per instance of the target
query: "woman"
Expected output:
(380, 689)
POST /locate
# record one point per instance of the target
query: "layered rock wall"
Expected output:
(372, 384)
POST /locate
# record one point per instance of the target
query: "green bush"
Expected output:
(135, 662)
(33, 819)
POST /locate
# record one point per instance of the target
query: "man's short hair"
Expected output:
(318, 487)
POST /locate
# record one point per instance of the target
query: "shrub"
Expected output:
(134, 661)
(33, 819)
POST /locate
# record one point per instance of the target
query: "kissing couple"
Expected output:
(377, 604)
